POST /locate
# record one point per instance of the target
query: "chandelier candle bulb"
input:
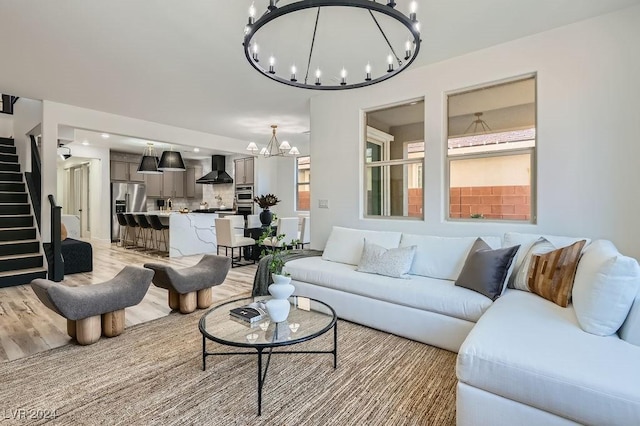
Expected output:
(390, 62)
(255, 52)
(252, 14)
(391, 3)
(318, 73)
(272, 62)
(407, 50)
(367, 69)
(293, 73)
(343, 74)
(413, 8)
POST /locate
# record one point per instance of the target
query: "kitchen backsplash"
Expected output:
(209, 193)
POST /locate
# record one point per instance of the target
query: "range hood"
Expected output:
(217, 173)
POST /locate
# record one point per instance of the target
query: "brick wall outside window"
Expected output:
(510, 202)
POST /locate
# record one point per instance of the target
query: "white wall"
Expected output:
(56, 114)
(6, 126)
(27, 115)
(588, 131)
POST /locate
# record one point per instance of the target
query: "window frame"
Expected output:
(298, 183)
(378, 137)
(532, 151)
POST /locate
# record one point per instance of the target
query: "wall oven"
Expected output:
(244, 199)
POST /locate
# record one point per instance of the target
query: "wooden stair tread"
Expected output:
(22, 272)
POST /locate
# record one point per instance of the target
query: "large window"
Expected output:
(303, 179)
(393, 161)
(491, 152)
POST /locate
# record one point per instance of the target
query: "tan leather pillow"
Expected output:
(63, 232)
(551, 274)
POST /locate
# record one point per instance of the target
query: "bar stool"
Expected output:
(124, 229)
(131, 223)
(157, 225)
(145, 229)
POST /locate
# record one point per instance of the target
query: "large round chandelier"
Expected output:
(332, 44)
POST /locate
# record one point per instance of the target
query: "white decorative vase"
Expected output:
(279, 306)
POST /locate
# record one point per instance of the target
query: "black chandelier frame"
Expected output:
(273, 12)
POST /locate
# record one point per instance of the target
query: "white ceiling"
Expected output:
(182, 63)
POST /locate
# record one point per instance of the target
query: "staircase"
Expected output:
(20, 257)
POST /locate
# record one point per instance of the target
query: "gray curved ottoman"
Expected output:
(95, 309)
(191, 287)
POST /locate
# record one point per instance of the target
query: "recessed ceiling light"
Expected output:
(196, 149)
(85, 143)
(105, 135)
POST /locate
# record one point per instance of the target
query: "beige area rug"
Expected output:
(152, 374)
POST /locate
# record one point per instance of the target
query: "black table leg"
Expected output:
(204, 354)
(335, 345)
(259, 381)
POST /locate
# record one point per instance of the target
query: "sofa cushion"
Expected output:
(532, 351)
(430, 294)
(605, 286)
(486, 270)
(526, 241)
(551, 274)
(345, 244)
(394, 262)
(441, 257)
(630, 330)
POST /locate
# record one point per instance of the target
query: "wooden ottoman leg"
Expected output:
(88, 330)
(71, 328)
(174, 299)
(205, 298)
(113, 323)
(188, 302)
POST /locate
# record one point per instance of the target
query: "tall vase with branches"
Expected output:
(278, 307)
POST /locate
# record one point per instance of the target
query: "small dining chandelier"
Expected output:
(274, 148)
(351, 43)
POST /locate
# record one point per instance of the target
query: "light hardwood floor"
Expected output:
(28, 327)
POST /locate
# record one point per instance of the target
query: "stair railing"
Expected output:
(56, 263)
(34, 180)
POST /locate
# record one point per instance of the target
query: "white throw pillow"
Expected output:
(519, 279)
(441, 257)
(604, 289)
(345, 244)
(395, 262)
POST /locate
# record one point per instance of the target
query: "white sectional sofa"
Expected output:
(521, 359)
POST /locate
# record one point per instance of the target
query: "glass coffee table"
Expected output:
(308, 319)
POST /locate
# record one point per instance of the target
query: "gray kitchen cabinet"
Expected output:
(173, 184)
(154, 185)
(119, 170)
(134, 176)
(244, 171)
(191, 188)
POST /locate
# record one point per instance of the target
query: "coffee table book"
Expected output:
(248, 314)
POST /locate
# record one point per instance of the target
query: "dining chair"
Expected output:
(237, 223)
(227, 238)
(287, 226)
(253, 221)
(304, 237)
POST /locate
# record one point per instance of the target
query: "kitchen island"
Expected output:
(189, 233)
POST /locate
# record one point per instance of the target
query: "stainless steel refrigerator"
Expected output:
(125, 198)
